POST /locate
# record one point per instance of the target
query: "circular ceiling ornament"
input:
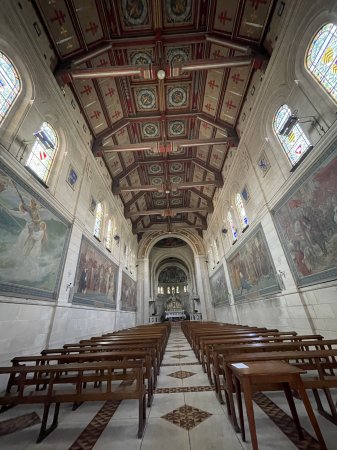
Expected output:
(150, 129)
(157, 180)
(155, 168)
(176, 128)
(176, 201)
(140, 58)
(178, 55)
(135, 11)
(176, 167)
(178, 10)
(159, 202)
(146, 98)
(176, 179)
(177, 97)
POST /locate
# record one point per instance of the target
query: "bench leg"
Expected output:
(141, 416)
(311, 415)
(44, 431)
(239, 402)
(293, 410)
(247, 390)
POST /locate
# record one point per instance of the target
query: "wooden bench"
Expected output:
(124, 356)
(68, 383)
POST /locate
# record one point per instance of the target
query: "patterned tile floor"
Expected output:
(185, 414)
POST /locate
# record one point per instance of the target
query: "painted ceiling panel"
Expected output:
(89, 19)
(142, 75)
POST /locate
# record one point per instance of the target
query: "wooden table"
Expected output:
(253, 376)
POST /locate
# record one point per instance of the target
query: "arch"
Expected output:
(98, 226)
(10, 85)
(294, 143)
(320, 59)
(42, 155)
(189, 236)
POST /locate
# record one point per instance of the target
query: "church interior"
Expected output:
(168, 206)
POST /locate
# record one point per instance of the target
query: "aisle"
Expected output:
(184, 415)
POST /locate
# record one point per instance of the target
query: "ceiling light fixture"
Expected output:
(161, 74)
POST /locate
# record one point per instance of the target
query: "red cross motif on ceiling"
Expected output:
(205, 125)
(230, 104)
(216, 54)
(212, 84)
(122, 132)
(256, 3)
(102, 63)
(236, 78)
(95, 115)
(117, 114)
(209, 107)
(86, 89)
(110, 92)
(59, 17)
(216, 157)
(93, 27)
(115, 164)
(223, 18)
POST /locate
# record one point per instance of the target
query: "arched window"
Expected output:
(295, 143)
(98, 220)
(232, 226)
(10, 85)
(177, 289)
(43, 152)
(108, 239)
(241, 211)
(321, 59)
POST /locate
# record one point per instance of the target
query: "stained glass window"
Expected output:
(10, 85)
(295, 144)
(232, 226)
(108, 239)
(98, 220)
(43, 152)
(321, 59)
(241, 211)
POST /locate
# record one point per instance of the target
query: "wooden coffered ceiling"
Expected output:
(161, 84)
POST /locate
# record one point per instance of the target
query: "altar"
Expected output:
(175, 314)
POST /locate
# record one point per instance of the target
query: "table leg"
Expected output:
(310, 413)
(229, 389)
(247, 391)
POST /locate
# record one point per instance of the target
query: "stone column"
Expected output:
(143, 291)
(204, 291)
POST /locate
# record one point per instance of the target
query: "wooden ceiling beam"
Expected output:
(154, 145)
(163, 188)
(166, 212)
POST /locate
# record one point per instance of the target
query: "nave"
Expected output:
(184, 414)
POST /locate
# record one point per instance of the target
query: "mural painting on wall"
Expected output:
(306, 220)
(128, 294)
(251, 269)
(33, 240)
(219, 290)
(95, 279)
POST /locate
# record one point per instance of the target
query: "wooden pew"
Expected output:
(65, 384)
(124, 356)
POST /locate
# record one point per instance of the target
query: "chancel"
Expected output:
(168, 224)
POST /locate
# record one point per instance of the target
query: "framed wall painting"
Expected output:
(96, 278)
(306, 221)
(33, 240)
(219, 290)
(128, 294)
(251, 268)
